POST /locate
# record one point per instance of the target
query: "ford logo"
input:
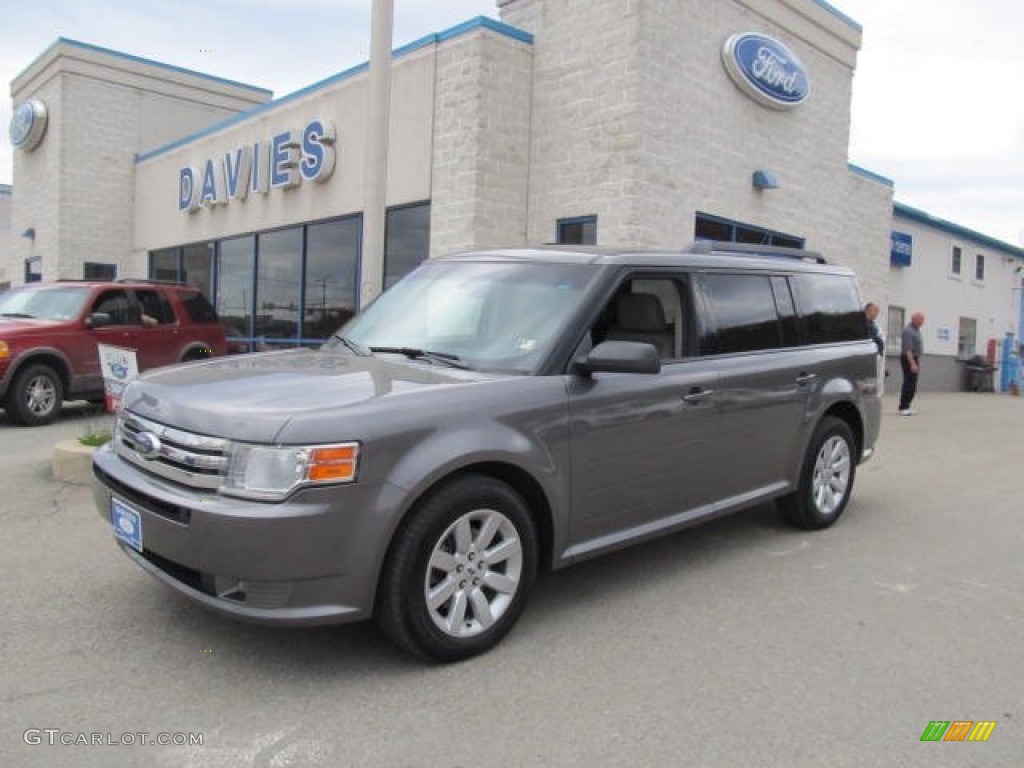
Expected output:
(766, 70)
(147, 445)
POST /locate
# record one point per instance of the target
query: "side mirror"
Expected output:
(97, 320)
(620, 357)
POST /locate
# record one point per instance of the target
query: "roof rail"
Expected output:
(755, 250)
(151, 280)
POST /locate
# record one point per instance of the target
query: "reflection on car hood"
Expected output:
(9, 324)
(252, 397)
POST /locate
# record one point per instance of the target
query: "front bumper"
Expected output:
(311, 559)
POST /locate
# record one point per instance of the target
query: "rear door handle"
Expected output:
(806, 379)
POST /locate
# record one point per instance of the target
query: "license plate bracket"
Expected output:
(127, 524)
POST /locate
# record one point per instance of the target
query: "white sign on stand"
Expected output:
(119, 366)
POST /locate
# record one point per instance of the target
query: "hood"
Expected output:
(14, 324)
(253, 397)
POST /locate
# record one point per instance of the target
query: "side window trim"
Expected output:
(792, 335)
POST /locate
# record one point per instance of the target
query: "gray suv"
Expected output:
(492, 414)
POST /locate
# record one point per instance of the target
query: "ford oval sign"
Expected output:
(766, 70)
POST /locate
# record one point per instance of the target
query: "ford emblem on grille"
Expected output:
(147, 445)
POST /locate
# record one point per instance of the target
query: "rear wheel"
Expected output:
(195, 354)
(460, 570)
(826, 479)
(35, 397)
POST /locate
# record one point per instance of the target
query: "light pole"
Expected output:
(378, 111)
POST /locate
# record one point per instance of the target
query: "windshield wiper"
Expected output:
(357, 348)
(17, 314)
(424, 354)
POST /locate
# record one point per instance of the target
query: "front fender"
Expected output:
(441, 454)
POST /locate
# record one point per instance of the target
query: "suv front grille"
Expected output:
(191, 459)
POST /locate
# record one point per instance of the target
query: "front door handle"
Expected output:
(697, 396)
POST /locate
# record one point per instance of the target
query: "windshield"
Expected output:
(488, 316)
(50, 303)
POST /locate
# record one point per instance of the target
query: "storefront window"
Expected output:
(406, 242)
(235, 289)
(715, 228)
(197, 260)
(332, 258)
(95, 270)
(164, 264)
(268, 292)
(278, 281)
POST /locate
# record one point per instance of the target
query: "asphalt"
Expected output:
(740, 643)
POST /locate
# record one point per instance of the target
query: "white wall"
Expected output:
(928, 285)
(77, 188)
(636, 120)
(158, 222)
(6, 236)
(481, 151)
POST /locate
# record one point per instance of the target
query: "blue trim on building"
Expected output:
(141, 60)
(6, 189)
(870, 175)
(839, 15)
(899, 209)
(484, 22)
(480, 22)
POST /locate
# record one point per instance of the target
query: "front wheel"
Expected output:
(35, 397)
(459, 571)
(826, 479)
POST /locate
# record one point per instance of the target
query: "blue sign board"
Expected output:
(766, 70)
(901, 250)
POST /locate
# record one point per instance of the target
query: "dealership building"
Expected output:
(595, 121)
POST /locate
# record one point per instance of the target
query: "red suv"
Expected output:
(49, 333)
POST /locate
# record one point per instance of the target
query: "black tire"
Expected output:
(194, 354)
(826, 478)
(35, 397)
(480, 595)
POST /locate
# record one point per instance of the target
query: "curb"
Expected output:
(72, 462)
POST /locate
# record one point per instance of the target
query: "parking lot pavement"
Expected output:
(740, 643)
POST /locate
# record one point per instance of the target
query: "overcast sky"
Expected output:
(935, 107)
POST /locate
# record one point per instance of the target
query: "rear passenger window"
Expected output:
(743, 317)
(198, 308)
(156, 310)
(829, 308)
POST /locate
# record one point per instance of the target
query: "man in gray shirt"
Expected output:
(911, 351)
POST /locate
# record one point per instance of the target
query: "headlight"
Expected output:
(271, 473)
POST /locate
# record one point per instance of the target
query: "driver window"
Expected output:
(121, 309)
(647, 310)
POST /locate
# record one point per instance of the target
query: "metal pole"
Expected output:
(378, 109)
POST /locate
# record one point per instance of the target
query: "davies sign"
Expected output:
(766, 70)
(283, 162)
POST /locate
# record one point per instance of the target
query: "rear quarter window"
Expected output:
(829, 308)
(198, 309)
